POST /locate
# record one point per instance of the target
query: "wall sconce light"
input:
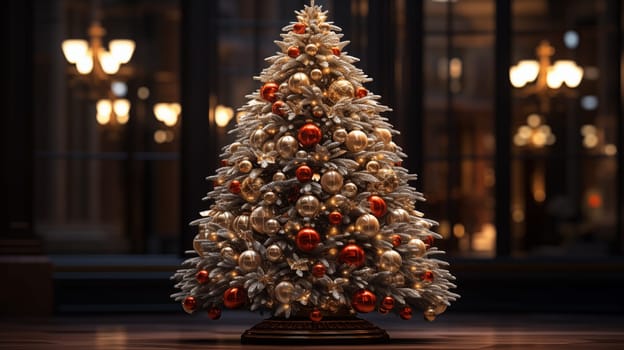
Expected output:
(534, 133)
(91, 56)
(168, 113)
(223, 115)
(112, 111)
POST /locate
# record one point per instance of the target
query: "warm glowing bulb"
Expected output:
(102, 119)
(104, 107)
(84, 65)
(109, 64)
(554, 79)
(516, 77)
(161, 111)
(121, 107)
(529, 69)
(223, 115)
(122, 49)
(122, 119)
(74, 49)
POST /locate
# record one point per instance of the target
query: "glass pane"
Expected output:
(563, 127)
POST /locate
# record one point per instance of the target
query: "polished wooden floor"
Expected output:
(451, 331)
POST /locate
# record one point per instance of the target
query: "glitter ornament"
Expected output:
(319, 270)
(335, 217)
(360, 92)
(304, 173)
(339, 135)
(387, 303)
(297, 81)
(240, 223)
(367, 224)
(316, 315)
(377, 205)
(331, 181)
(299, 28)
(397, 215)
(340, 89)
(234, 297)
(352, 255)
(249, 260)
(309, 135)
(287, 146)
(316, 74)
(189, 304)
(406, 313)
(311, 49)
(214, 313)
(273, 253)
(417, 247)
(429, 314)
(245, 166)
(390, 261)
(308, 205)
(278, 108)
(388, 180)
(234, 186)
(307, 239)
(259, 218)
(356, 141)
(268, 90)
(284, 292)
(202, 276)
(293, 52)
(364, 301)
(250, 189)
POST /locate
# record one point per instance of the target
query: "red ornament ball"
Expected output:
(352, 255)
(189, 304)
(224, 162)
(293, 52)
(428, 240)
(307, 239)
(388, 303)
(316, 315)
(426, 276)
(335, 50)
(383, 311)
(235, 187)
(202, 276)
(406, 313)
(318, 270)
(335, 218)
(299, 28)
(234, 297)
(309, 135)
(364, 301)
(268, 90)
(396, 240)
(214, 313)
(277, 108)
(304, 173)
(361, 92)
(377, 206)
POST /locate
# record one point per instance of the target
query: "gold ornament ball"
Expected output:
(372, 166)
(259, 218)
(197, 242)
(241, 223)
(283, 89)
(383, 134)
(268, 146)
(250, 189)
(284, 292)
(279, 176)
(340, 135)
(390, 147)
(367, 224)
(390, 261)
(316, 74)
(269, 197)
(301, 154)
(429, 314)
(417, 247)
(249, 260)
(292, 226)
(258, 137)
(439, 309)
(308, 206)
(234, 147)
(297, 81)
(272, 226)
(349, 189)
(336, 201)
(245, 166)
(331, 181)
(223, 219)
(340, 89)
(317, 111)
(397, 215)
(388, 180)
(273, 253)
(324, 27)
(356, 141)
(227, 252)
(311, 49)
(287, 146)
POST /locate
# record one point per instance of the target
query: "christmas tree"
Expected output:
(311, 212)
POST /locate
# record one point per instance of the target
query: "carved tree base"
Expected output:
(350, 330)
